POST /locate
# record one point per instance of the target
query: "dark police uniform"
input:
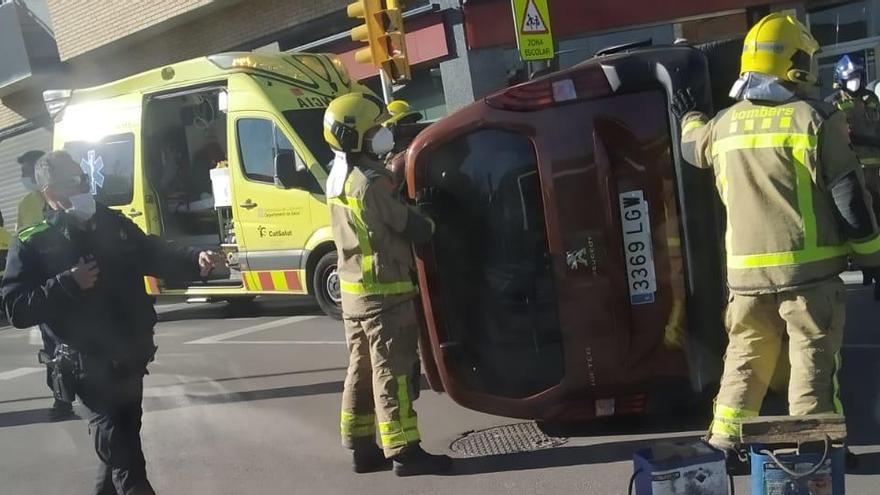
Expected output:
(110, 324)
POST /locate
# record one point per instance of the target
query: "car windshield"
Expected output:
(309, 126)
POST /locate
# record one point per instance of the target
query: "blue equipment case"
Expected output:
(679, 469)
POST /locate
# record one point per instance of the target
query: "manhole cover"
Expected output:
(507, 439)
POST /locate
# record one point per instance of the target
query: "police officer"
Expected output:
(80, 272)
(373, 234)
(796, 208)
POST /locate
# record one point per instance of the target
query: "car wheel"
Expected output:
(325, 286)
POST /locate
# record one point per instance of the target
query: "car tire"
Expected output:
(325, 286)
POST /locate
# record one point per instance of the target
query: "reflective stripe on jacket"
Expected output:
(774, 166)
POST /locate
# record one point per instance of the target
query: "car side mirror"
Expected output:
(291, 173)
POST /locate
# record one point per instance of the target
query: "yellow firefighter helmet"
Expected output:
(781, 46)
(349, 117)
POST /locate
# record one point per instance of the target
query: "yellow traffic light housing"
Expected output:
(384, 34)
(397, 63)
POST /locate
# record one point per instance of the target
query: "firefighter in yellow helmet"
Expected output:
(797, 207)
(374, 233)
(30, 209)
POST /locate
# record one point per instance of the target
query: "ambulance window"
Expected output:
(109, 163)
(256, 145)
(309, 126)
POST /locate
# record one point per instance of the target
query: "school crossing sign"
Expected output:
(534, 37)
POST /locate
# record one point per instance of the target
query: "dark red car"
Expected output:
(576, 269)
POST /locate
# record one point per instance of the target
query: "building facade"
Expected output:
(461, 49)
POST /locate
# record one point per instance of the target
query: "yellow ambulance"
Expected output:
(223, 152)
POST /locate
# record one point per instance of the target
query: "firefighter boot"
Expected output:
(369, 459)
(414, 461)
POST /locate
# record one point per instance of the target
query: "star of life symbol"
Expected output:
(577, 259)
(92, 166)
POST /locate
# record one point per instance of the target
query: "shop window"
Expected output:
(109, 163)
(839, 23)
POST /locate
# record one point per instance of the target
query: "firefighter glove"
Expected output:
(428, 200)
(682, 103)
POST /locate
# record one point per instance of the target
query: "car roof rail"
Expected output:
(624, 47)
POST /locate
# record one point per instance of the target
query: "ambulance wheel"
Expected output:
(325, 286)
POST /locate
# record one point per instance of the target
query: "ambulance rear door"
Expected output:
(104, 138)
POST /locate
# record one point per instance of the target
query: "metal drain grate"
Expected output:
(507, 439)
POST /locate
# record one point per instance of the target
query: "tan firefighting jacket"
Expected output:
(863, 115)
(375, 258)
(775, 164)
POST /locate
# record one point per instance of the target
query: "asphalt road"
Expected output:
(248, 404)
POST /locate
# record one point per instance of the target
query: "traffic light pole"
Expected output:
(387, 90)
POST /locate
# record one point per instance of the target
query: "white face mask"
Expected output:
(82, 207)
(29, 184)
(853, 85)
(382, 142)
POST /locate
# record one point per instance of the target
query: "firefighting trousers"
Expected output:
(383, 349)
(872, 184)
(813, 319)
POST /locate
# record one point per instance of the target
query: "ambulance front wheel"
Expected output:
(326, 286)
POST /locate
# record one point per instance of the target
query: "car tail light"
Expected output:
(580, 84)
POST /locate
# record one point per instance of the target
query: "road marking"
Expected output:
(219, 339)
(17, 372)
(34, 337)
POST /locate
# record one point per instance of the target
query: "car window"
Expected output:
(109, 163)
(490, 192)
(259, 141)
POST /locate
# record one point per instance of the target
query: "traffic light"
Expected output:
(397, 65)
(384, 34)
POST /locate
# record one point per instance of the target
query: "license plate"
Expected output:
(636, 222)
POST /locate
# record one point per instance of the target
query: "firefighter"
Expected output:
(862, 109)
(373, 234)
(31, 206)
(797, 207)
(856, 98)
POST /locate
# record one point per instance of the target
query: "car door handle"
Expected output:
(248, 204)
(134, 213)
